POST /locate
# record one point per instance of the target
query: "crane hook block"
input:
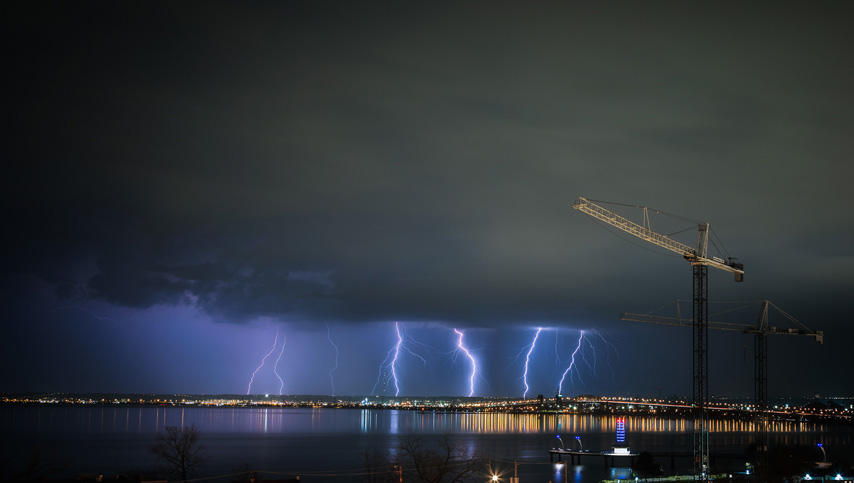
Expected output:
(739, 276)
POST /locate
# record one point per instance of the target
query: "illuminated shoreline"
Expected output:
(603, 406)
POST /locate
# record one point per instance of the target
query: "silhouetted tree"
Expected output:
(447, 462)
(416, 460)
(180, 449)
(378, 467)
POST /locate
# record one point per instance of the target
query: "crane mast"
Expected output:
(700, 263)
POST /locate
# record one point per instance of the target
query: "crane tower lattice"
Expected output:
(700, 262)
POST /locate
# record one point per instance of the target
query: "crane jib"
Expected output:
(694, 255)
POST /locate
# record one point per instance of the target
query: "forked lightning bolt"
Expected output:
(389, 364)
(394, 361)
(471, 358)
(527, 360)
(252, 379)
(572, 363)
(607, 352)
(384, 365)
(276, 365)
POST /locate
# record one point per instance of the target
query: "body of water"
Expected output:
(327, 444)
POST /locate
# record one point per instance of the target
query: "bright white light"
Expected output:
(527, 360)
(473, 363)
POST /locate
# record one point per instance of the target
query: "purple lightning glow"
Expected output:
(473, 363)
(252, 379)
(276, 366)
(331, 379)
(527, 360)
(572, 363)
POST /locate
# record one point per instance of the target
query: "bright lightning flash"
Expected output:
(394, 361)
(389, 364)
(252, 379)
(384, 365)
(276, 366)
(527, 360)
(572, 363)
(473, 363)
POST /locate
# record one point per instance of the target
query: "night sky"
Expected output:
(185, 183)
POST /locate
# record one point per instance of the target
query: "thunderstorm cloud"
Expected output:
(356, 164)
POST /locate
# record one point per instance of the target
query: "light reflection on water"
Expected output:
(79, 419)
(286, 438)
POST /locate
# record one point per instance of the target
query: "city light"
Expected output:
(621, 430)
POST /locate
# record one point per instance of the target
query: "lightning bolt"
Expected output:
(608, 353)
(276, 366)
(389, 364)
(394, 361)
(592, 367)
(471, 358)
(572, 363)
(384, 366)
(331, 379)
(252, 379)
(527, 360)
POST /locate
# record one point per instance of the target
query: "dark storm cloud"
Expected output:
(354, 163)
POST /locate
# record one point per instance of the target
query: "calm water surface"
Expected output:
(318, 443)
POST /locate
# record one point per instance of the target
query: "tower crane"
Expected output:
(760, 331)
(700, 263)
